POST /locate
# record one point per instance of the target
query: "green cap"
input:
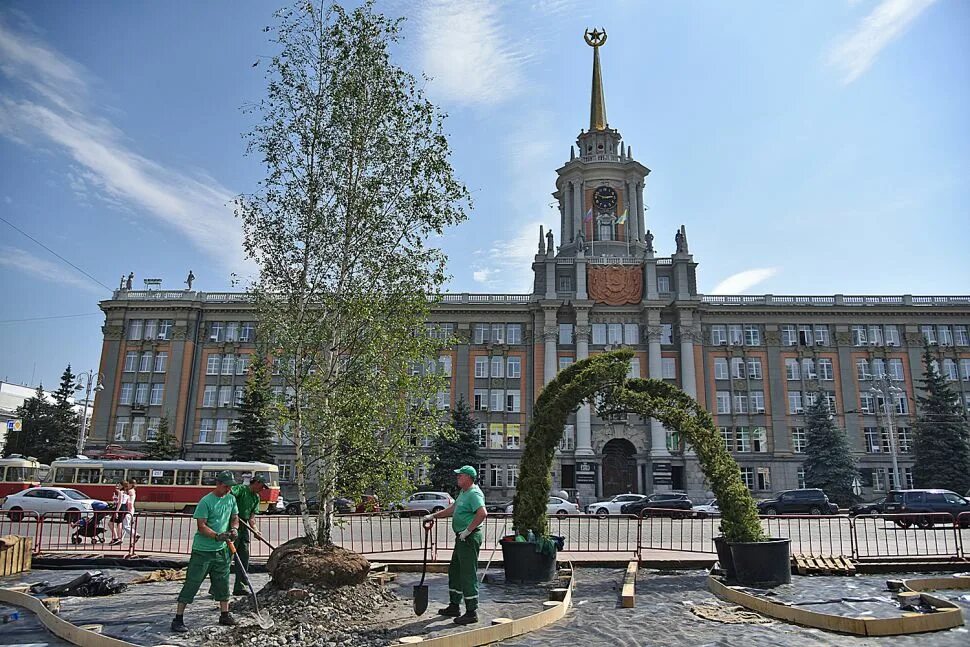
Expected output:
(258, 478)
(467, 469)
(225, 478)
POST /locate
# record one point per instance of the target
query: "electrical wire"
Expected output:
(56, 254)
(86, 314)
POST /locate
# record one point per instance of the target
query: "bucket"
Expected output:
(762, 564)
(524, 565)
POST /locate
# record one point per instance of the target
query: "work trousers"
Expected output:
(211, 563)
(242, 550)
(463, 571)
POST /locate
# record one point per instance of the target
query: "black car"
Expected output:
(927, 502)
(873, 507)
(661, 504)
(497, 508)
(805, 501)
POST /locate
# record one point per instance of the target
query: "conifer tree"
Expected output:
(163, 446)
(251, 438)
(828, 463)
(37, 416)
(456, 448)
(62, 440)
(942, 438)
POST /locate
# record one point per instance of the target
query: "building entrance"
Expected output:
(619, 467)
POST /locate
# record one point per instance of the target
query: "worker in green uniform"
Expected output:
(217, 521)
(467, 515)
(247, 501)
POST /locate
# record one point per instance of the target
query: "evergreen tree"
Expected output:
(64, 435)
(37, 415)
(164, 446)
(942, 442)
(828, 464)
(452, 450)
(251, 438)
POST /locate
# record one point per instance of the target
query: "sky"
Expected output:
(810, 147)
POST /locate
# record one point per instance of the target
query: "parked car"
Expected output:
(277, 508)
(707, 509)
(49, 500)
(341, 505)
(497, 508)
(423, 503)
(557, 506)
(873, 507)
(673, 504)
(926, 501)
(612, 506)
(805, 501)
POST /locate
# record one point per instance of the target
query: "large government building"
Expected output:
(755, 362)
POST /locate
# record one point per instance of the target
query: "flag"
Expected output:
(623, 217)
(589, 215)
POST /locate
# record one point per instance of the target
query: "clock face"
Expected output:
(604, 198)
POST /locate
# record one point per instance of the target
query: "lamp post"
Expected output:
(87, 382)
(882, 386)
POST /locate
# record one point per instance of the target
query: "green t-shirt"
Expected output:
(217, 511)
(246, 501)
(466, 505)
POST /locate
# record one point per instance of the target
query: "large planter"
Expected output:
(724, 557)
(524, 565)
(762, 564)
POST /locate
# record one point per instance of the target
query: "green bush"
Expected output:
(603, 378)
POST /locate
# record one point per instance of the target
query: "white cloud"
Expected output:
(856, 53)
(506, 266)
(471, 57)
(743, 281)
(20, 260)
(56, 111)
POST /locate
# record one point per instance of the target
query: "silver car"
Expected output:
(425, 502)
(50, 501)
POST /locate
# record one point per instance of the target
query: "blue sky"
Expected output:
(809, 147)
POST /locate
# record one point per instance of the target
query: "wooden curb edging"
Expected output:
(505, 628)
(628, 596)
(948, 615)
(58, 626)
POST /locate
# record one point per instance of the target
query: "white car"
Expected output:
(424, 502)
(557, 506)
(604, 508)
(707, 509)
(48, 500)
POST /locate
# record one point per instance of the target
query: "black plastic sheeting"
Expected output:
(90, 584)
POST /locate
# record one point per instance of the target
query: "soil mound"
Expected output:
(297, 562)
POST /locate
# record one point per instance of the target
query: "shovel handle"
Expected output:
(428, 525)
(232, 547)
(258, 536)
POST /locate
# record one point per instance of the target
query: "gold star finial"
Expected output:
(595, 38)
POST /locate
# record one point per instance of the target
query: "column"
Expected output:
(658, 435)
(550, 278)
(584, 436)
(549, 334)
(577, 209)
(641, 226)
(581, 276)
(632, 221)
(568, 233)
(688, 377)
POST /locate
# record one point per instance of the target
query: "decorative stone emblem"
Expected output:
(843, 338)
(616, 285)
(113, 332)
(772, 338)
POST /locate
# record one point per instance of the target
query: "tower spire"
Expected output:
(597, 101)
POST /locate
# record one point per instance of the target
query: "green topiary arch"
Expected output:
(603, 378)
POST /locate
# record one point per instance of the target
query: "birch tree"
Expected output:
(358, 182)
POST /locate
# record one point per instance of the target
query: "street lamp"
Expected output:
(87, 382)
(883, 387)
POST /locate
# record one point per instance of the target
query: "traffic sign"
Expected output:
(15, 425)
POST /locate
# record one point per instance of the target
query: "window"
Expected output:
(242, 364)
(896, 370)
(965, 370)
(666, 334)
(209, 395)
(892, 335)
(792, 369)
(121, 428)
(153, 424)
(565, 283)
(747, 475)
(564, 362)
(495, 434)
(726, 437)
(950, 371)
(866, 402)
(873, 440)
(631, 334)
(735, 335)
(808, 369)
(161, 359)
(151, 329)
(614, 333)
(720, 368)
(800, 478)
(444, 365)
(212, 364)
(137, 429)
(225, 396)
(825, 371)
(158, 393)
(821, 335)
(165, 329)
(240, 393)
(718, 336)
(740, 403)
(141, 393)
(759, 440)
(663, 284)
(904, 439)
(875, 336)
(668, 368)
(795, 402)
(743, 439)
(754, 368)
(498, 333)
(145, 363)
(481, 399)
(737, 368)
(222, 430)
(498, 366)
(859, 335)
(634, 370)
(481, 429)
(216, 331)
(902, 404)
(724, 402)
(247, 331)
(757, 401)
(752, 335)
(513, 435)
(232, 331)
(810, 398)
(764, 478)
(788, 337)
(862, 370)
(496, 400)
(805, 335)
(960, 336)
(134, 329)
(929, 334)
(599, 334)
(512, 475)
(878, 367)
(228, 364)
(481, 333)
(495, 474)
(512, 401)
(798, 440)
(127, 389)
(831, 402)
(565, 334)
(513, 334)
(481, 366)
(946, 339)
(513, 367)
(131, 361)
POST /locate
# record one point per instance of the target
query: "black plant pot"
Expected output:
(724, 557)
(524, 565)
(762, 564)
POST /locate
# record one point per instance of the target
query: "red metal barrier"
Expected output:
(963, 534)
(813, 536)
(22, 524)
(667, 529)
(56, 534)
(906, 535)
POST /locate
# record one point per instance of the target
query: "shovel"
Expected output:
(259, 537)
(421, 590)
(263, 619)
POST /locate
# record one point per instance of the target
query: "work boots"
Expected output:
(470, 618)
(178, 625)
(452, 611)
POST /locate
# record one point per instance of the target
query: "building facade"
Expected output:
(755, 362)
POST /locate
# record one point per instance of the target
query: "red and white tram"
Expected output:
(18, 473)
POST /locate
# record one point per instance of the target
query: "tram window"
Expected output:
(241, 477)
(16, 474)
(64, 475)
(89, 475)
(138, 476)
(209, 477)
(187, 477)
(113, 476)
(163, 477)
(269, 478)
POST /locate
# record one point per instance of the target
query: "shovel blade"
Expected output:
(264, 620)
(420, 599)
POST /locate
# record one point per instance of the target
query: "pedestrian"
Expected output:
(217, 521)
(127, 509)
(467, 516)
(114, 518)
(247, 502)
